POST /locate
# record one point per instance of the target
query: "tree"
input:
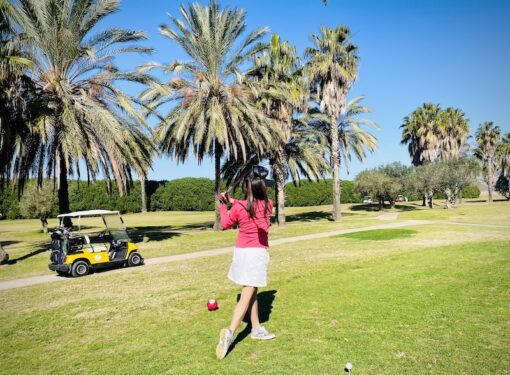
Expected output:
(332, 67)
(86, 118)
(455, 174)
(503, 152)
(215, 114)
(39, 203)
(378, 184)
(18, 102)
(503, 186)
(487, 139)
(419, 132)
(281, 91)
(425, 180)
(453, 131)
(353, 139)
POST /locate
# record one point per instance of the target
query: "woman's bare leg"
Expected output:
(242, 306)
(254, 313)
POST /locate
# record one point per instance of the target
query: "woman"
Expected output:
(250, 260)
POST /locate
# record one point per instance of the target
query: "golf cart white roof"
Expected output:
(89, 213)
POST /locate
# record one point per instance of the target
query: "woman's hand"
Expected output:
(224, 198)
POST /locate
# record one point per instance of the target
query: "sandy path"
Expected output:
(27, 281)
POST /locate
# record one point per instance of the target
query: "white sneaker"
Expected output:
(260, 333)
(226, 339)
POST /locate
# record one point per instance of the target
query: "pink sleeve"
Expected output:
(228, 219)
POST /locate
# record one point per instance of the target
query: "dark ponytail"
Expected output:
(255, 190)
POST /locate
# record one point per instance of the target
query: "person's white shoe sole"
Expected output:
(268, 337)
(222, 347)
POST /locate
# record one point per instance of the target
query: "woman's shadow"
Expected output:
(265, 300)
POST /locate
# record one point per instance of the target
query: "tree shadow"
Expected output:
(309, 216)
(375, 207)
(152, 233)
(265, 300)
(41, 249)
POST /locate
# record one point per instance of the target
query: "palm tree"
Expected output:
(453, 131)
(353, 139)
(87, 117)
(503, 152)
(17, 94)
(282, 91)
(333, 66)
(215, 113)
(304, 157)
(487, 139)
(419, 131)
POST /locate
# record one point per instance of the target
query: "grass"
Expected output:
(432, 302)
(380, 234)
(160, 234)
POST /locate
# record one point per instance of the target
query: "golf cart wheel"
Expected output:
(135, 259)
(80, 268)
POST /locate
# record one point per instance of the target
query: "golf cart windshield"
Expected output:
(116, 227)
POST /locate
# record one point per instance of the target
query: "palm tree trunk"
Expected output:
(280, 188)
(335, 169)
(490, 183)
(63, 186)
(143, 193)
(218, 151)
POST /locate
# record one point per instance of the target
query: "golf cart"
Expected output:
(77, 254)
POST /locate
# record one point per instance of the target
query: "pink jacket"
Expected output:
(252, 232)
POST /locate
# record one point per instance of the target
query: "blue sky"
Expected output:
(455, 53)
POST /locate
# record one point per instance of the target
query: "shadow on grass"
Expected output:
(312, 216)
(41, 249)
(152, 233)
(265, 300)
(485, 200)
(375, 207)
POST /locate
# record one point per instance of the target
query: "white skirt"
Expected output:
(249, 266)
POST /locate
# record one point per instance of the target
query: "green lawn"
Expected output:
(161, 233)
(431, 299)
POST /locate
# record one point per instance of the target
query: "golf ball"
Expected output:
(348, 366)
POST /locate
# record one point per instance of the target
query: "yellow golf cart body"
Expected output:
(78, 253)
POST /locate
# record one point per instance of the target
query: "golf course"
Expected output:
(431, 297)
(314, 187)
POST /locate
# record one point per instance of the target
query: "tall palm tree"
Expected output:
(420, 132)
(353, 139)
(487, 139)
(17, 94)
(215, 113)
(453, 131)
(333, 67)
(281, 92)
(503, 151)
(304, 157)
(87, 117)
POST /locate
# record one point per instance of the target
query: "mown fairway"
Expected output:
(425, 299)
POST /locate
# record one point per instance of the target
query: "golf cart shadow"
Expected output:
(265, 300)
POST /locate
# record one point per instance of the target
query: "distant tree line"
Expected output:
(184, 194)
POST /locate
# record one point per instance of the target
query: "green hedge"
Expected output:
(184, 194)
(318, 193)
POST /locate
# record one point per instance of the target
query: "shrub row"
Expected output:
(185, 194)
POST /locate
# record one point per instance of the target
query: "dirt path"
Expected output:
(35, 280)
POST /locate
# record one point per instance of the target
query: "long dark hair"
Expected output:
(255, 190)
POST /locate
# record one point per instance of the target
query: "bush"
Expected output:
(471, 191)
(318, 193)
(184, 194)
